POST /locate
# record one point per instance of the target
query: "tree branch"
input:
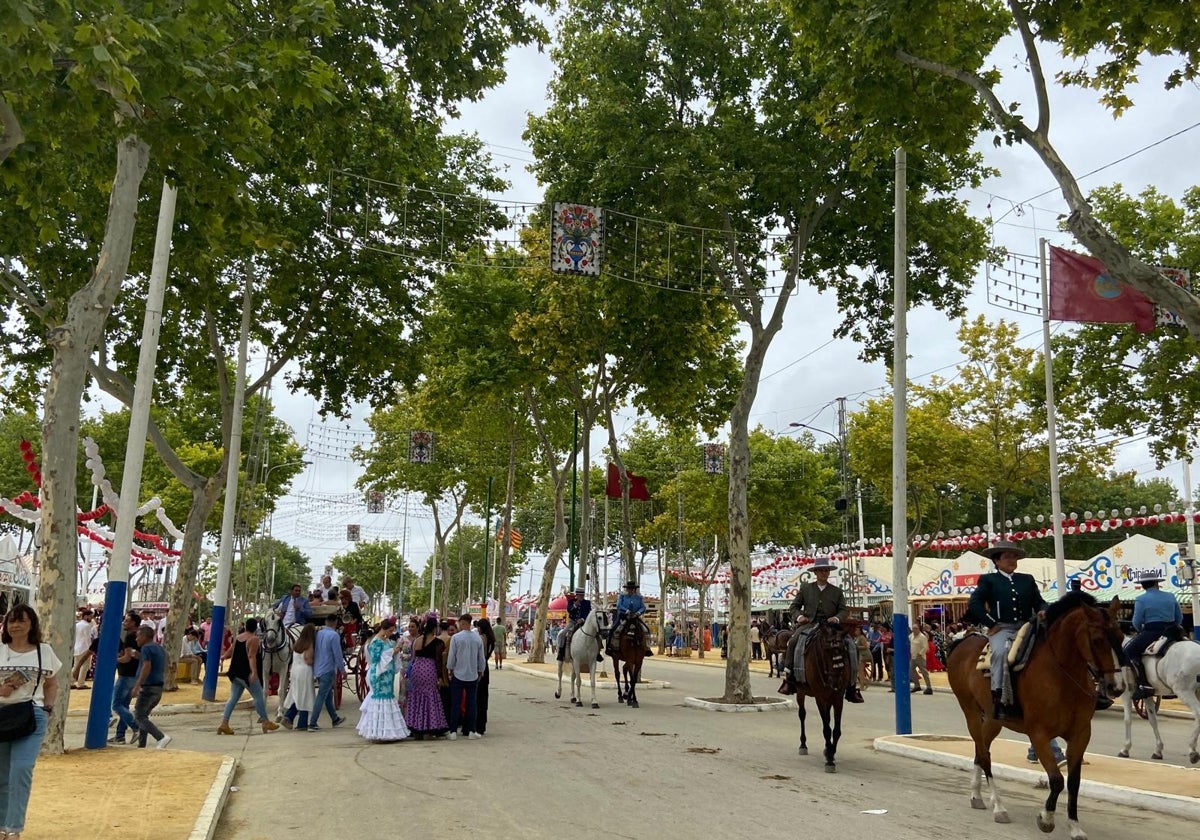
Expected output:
(1035, 68)
(12, 135)
(13, 283)
(297, 334)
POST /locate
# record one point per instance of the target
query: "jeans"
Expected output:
(457, 689)
(16, 773)
(324, 698)
(236, 686)
(122, 694)
(148, 697)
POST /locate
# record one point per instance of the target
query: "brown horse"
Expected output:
(629, 651)
(1078, 646)
(775, 645)
(827, 676)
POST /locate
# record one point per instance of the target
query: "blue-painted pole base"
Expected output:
(216, 635)
(901, 670)
(100, 710)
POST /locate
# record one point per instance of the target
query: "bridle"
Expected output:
(1096, 672)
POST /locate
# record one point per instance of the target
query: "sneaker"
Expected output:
(453, 736)
(116, 739)
(928, 691)
(339, 721)
(112, 722)
(162, 742)
(1031, 756)
(287, 724)
(312, 727)
(474, 736)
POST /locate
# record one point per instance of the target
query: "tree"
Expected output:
(365, 564)
(268, 569)
(685, 114)
(856, 39)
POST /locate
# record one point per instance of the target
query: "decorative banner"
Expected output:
(1180, 277)
(576, 239)
(375, 502)
(714, 458)
(353, 533)
(514, 538)
(420, 447)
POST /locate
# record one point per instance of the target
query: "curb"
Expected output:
(176, 709)
(607, 685)
(1149, 800)
(710, 706)
(214, 803)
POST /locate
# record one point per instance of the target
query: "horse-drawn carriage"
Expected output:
(278, 641)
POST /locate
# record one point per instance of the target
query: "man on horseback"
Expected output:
(817, 603)
(1002, 601)
(578, 609)
(1154, 613)
(629, 606)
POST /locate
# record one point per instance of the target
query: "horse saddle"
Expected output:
(1159, 646)
(1019, 649)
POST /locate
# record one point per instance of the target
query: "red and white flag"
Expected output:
(1081, 289)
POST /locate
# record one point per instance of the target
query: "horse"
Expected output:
(775, 646)
(826, 678)
(277, 644)
(627, 658)
(1178, 673)
(585, 645)
(1078, 646)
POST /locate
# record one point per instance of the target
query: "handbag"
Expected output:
(16, 719)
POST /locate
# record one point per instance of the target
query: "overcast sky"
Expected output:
(805, 372)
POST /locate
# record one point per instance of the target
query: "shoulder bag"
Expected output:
(16, 719)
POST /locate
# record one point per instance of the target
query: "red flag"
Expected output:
(637, 485)
(1081, 289)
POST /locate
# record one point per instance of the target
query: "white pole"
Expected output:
(901, 645)
(403, 557)
(860, 563)
(100, 706)
(225, 563)
(1190, 525)
(1060, 562)
(991, 525)
(386, 556)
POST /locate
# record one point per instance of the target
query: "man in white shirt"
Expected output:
(357, 594)
(85, 632)
(919, 649)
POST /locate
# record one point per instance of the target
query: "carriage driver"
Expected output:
(1003, 601)
(816, 602)
(1154, 613)
(629, 605)
(293, 608)
(578, 609)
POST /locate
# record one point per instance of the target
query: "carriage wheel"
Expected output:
(1139, 706)
(360, 674)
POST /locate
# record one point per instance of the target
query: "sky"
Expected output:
(805, 371)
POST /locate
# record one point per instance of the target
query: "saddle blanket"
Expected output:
(1018, 650)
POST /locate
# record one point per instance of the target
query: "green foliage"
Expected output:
(365, 563)
(253, 571)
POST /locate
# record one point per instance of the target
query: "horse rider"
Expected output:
(629, 606)
(1155, 613)
(293, 608)
(1003, 600)
(816, 603)
(578, 609)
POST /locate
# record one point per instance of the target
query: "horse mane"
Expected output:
(1066, 604)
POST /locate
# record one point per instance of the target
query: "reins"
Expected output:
(1094, 671)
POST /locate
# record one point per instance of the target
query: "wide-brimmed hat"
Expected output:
(579, 590)
(1151, 576)
(633, 584)
(994, 551)
(822, 563)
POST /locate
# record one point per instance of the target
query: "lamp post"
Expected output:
(271, 530)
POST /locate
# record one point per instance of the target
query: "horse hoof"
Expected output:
(804, 751)
(1157, 756)
(1194, 757)
(557, 695)
(1002, 817)
(830, 768)
(1046, 826)
(1123, 754)
(633, 704)
(594, 705)
(977, 803)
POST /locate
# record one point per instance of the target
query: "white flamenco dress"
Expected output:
(380, 716)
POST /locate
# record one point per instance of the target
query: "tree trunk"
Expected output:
(506, 544)
(72, 343)
(204, 499)
(557, 548)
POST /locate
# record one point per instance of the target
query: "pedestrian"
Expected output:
(424, 714)
(328, 666)
(148, 687)
(864, 655)
(755, 640)
(486, 632)
(85, 633)
(245, 668)
(919, 649)
(301, 696)
(873, 639)
(127, 669)
(499, 635)
(888, 647)
(381, 718)
(404, 668)
(466, 664)
(28, 685)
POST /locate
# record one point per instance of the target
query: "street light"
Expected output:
(271, 530)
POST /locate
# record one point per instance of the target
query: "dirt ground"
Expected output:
(107, 794)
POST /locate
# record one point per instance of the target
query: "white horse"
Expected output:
(585, 645)
(277, 644)
(1178, 673)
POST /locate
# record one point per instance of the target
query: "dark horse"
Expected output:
(775, 645)
(629, 649)
(827, 676)
(1078, 646)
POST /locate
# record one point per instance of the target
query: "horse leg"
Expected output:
(803, 734)
(1190, 697)
(1041, 745)
(633, 676)
(595, 705)
(1127, 713)
(832, 735)
(1152, 717)
(617, 678)
(558, 693)
(983, 760)
(1075, 749)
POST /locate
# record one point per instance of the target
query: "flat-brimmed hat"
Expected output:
(994, 551)
(822, 563)
(1151, 576)
(579, 590)
(632, 584)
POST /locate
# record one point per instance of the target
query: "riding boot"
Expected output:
(788, 687)
(998, 704)
(1143, 689)
(853, 695)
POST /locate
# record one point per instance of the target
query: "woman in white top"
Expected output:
(22, 678)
